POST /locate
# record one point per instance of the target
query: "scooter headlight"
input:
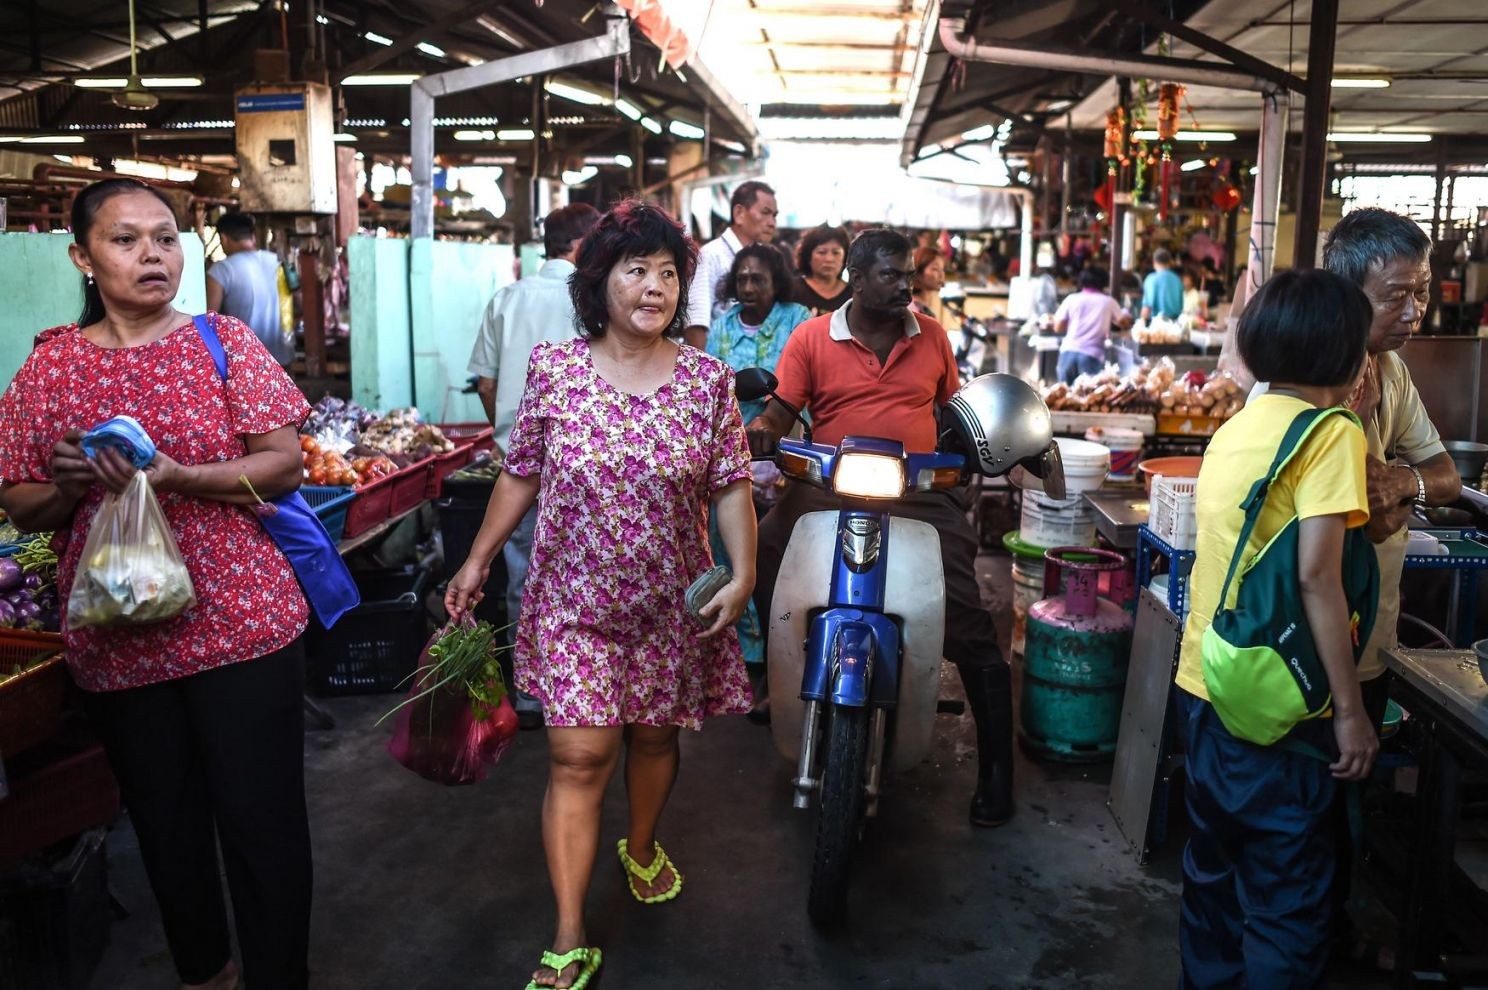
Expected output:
(869, 476)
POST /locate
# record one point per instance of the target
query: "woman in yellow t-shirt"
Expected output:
(1259, 863)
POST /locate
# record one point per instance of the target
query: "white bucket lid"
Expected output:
(1082, 456)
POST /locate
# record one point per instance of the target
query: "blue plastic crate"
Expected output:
(331, 503)
(1180, 564)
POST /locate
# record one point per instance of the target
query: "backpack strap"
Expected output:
(209, 337)
(1291, 444)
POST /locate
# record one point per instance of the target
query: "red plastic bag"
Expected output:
(444, 734)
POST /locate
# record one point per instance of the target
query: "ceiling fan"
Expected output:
(134, 95)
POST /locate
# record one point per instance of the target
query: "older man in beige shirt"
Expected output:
(1388, 256)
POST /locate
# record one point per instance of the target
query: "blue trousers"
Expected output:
(1073, 364)
(1258, 870)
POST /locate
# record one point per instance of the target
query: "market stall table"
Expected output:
(1467, 554)
(1447, 697)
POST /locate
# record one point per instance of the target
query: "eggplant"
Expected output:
(27, 611)
(7, 615)
(33, 582)
(10, 574)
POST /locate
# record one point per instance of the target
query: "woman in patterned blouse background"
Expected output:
(201, 715)
(628, 442)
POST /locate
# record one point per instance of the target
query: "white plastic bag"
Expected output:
(131, 571)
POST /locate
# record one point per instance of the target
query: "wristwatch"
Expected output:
(1420, 485)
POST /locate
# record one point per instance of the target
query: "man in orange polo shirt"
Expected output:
(874, 368)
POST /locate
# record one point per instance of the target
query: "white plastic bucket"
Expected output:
(1085, 464)
(1028, 587)
(1048, 522)
(1125, 446)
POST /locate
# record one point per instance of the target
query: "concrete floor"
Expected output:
(420, 886)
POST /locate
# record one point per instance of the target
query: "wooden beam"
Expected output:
(1312, 172)
(1202, 41)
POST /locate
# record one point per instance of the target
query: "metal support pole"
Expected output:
(1066, 173)
(615, 41)
(1261, 250)
(1025, 249)
(1441, 180)
(1312, 174)
(1267, 198)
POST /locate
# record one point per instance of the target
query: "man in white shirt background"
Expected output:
(245, 284)
(518, 318)
(753, 211)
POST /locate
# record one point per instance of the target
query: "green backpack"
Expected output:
(1261, 666)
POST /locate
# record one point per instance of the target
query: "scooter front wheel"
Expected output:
(841, 812)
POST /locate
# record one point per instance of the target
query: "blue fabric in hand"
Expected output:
(124, 434)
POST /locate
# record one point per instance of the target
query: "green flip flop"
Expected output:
(587, 958)
(646, 874)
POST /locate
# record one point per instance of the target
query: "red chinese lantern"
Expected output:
(1103, 198)
(1225, 198)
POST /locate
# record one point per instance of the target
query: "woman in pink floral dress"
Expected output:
(628, 441)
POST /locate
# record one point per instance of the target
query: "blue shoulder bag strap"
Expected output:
(327, 583)
(214, 344)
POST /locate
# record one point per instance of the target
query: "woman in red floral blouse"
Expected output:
(201, 715)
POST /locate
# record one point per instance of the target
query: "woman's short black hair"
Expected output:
(774, 263)
(1093, 278)
(815, 238)
(1305, 328)
(631, 229)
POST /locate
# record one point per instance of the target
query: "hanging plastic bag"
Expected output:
(457, 719)
(131, 571)
(286, 305)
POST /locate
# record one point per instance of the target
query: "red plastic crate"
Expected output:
(30, 703)
(71, 791)
(445, 464)
(371, 507)
(481, 435)
(410, 486)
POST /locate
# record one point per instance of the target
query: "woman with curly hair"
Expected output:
(627, 441)
(820, 258)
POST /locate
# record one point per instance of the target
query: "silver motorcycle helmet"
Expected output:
(1003, 428)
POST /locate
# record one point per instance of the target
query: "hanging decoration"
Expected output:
(1167, 129)
(1105, 197)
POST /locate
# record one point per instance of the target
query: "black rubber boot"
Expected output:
(989, 694)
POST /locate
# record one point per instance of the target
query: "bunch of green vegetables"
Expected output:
(465, 656)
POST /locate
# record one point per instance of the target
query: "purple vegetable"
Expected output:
(7, 615)
(51, 620)
(10, 574)
(17, 598)
(47, 599)
(27, 611)
(33, 582)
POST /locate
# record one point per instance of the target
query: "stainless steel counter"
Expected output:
(1118, 513)
(1451, 681)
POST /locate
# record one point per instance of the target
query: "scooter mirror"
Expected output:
(1043, 473)
(752, 384)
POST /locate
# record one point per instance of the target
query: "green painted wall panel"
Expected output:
(40, 288)
(380, 376)
(453, 281)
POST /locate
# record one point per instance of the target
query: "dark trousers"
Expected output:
(1258, 870)
(220, 755)
(970, 636)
